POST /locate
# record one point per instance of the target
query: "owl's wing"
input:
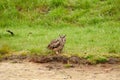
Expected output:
(54, 44)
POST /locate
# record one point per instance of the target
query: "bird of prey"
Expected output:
(57, 45)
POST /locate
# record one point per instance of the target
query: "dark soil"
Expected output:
(56, 58)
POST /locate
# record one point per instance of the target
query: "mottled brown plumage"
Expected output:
(57, 44)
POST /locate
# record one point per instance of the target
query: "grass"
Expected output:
(92, 27)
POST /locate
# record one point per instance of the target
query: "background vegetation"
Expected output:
(92, 27)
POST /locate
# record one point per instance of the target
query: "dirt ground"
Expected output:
(56, 71)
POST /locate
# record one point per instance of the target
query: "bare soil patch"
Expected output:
(57, 71)
(57, 67)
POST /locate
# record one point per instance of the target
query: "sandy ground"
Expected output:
(35, 71)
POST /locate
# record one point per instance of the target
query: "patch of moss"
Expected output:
(4, 49)
(68, 65)
(94, 59)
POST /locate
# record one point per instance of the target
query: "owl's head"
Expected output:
(63, 38)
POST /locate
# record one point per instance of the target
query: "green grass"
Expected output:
(92, 27)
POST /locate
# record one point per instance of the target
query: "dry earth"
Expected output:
(56, 71)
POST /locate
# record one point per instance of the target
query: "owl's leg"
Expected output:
(60, 51)
(56, 52)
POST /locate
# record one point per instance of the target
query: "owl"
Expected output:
(57, 45)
